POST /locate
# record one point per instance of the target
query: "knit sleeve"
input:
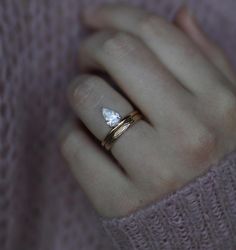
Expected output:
(200, 215)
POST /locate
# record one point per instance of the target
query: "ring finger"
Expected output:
(89, 95)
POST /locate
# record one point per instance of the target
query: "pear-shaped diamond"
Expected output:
(111, 117)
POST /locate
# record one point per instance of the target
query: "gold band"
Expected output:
(116, 132)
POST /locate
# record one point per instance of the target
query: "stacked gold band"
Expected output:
(116, 132)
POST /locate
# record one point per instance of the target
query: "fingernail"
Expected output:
(192, 18)
(184, 12)
(185, 18)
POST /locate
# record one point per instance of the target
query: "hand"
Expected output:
(180, 81)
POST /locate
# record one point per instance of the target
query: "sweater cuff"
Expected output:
(200, 215)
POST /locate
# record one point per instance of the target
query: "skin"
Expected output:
(180, 81)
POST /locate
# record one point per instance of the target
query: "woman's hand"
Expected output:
(178, 79)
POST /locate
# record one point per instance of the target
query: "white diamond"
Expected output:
(112, 117)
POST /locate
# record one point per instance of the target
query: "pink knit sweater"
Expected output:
(42, 206)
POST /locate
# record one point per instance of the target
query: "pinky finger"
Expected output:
(98, 175)
(186, 22)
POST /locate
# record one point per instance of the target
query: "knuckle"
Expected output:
(201, 144)
(82, 89)
(119, 45)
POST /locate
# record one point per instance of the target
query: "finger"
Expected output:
(140, 75)
(99, 176)
(185, 21)
(88, 95)
(182, 57)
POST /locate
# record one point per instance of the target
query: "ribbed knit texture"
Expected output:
(42, 206)
(201, 215)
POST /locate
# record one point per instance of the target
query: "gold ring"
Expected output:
(120, 128)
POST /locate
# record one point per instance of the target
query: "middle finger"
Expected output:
(138, 72)
(173, 48)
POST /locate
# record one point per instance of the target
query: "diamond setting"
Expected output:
(111, 117)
